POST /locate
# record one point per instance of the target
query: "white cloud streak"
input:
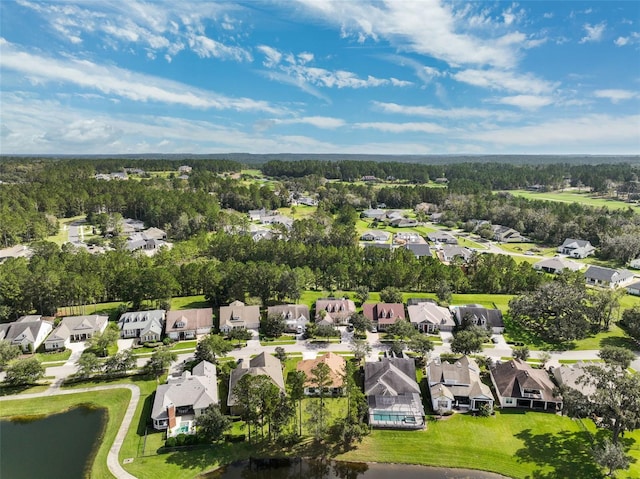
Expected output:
(505, 80)
(593, 32)
(123, 83)
(615, 95)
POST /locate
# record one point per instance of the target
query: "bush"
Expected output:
(167, 341)
(170, 442)
(181, 439)
(235, 437)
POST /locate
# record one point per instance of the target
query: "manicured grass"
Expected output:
(54, 356)
(108, 309)
(32, 389)
(584, 198)
(298, 212)
(180, 345)
(189, 302)
(114, 401)
(277, 342)
(517, 444)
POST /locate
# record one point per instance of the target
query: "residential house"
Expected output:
(634, 288)
(130, 226)
(256, 215)
(408, 237)
(557, 265)
(295, 316)
(419, 250)
(188, 323)
(185, 169)
(373, 213)
(337, 367)
(149, 240)
(258, 235)
(146, 325)
(238, 315)
(519, 385)
(334, 311)
(73, 329)
(428, 317)
(442, 237)
(28, 332)
(393, 395)
(179, 402)
(369, 178)
(307, 201)
(262, 365)
(504, 234)
(384, 246)
(607, 277)
(633, 264)
(374, 235)
(576, 248)
(403, 222)
(571, 376)
(448, 253)
(477, 315)
(277, 219)
(457, 385)
(436, 217)
(383, 315)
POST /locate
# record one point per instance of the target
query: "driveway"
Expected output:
(446, 337)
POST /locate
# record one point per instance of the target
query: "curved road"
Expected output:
(112, 457)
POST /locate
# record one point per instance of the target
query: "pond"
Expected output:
(58, 446)
(316, 469)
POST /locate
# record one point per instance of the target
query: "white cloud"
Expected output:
(123, 83)
(616, 95)
(452, 113)
(161, 27)
(389, 127)
(296, 67)
(323, 122)
(505, 80)
(593, 32)
(590, 133)
(632, 39)
(527, 102)
(434, 28)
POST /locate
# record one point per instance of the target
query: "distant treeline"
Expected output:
(462, 176)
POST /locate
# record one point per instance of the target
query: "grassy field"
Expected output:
(584, 198)
(115, 402)
(518, 444)
(54, 356)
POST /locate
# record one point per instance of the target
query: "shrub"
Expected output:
(170, 442)
(167, 341)
(181, 439)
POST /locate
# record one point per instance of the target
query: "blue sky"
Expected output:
(319, 76)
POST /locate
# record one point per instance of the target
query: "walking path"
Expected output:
(112, 457)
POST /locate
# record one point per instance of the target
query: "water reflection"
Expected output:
(322, 469)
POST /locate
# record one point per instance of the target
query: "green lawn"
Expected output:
(189, 302)
(517, 444)
(114, 401)
(521, 248)
(54, 356)
(584, 198)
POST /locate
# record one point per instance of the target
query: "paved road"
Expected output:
(112, 457)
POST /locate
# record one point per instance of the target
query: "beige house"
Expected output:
(262, 365)
(334, 311)
(457, 385)
(188, 323)
(238, 315)
(73, 329)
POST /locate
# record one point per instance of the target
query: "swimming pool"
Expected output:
(183, 429)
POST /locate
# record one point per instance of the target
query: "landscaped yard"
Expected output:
(584, 198)
(518, 444)
(54, 356)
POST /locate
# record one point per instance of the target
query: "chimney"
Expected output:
(171, 412)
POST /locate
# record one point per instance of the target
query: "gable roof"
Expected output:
(142, 319)
(418, 249)
(390, 377)
(79, 325)
(430, 313)
(461, 378)
(262, 365)
(238, 312)
(509, 377)
(608, 275)
(442, 237)
(336, 363)
(25, 330)
(492, 318)
(557, 263)
(570, 375)
(198, 389)
(383, 313)
(335, 308)
(571, 243)
(193, 319)
(289, 311)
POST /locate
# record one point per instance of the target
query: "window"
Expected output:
(509, 401)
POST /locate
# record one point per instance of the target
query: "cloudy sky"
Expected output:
(320, 76)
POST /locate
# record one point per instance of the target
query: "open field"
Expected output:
(584, 198)
(63, 233)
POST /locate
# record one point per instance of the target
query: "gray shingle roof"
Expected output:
(263, 364)
(608, 275)
(390, 377)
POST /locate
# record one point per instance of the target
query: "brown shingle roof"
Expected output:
(336, 363)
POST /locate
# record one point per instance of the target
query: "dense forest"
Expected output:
(205, 215)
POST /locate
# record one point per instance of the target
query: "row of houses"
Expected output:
(390, 385)
(393, 395)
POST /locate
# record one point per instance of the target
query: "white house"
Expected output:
(635, 263)
(375, 236)
(634, 289)
(295, 316)
(182, 399)
(458, 385)
(146, 325)
(428, 317)
(607, 277)
(75, 328)
(28, 332)
(556, 265)
(576, 248)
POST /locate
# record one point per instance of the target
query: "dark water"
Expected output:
(311, 469)
(58, 446)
